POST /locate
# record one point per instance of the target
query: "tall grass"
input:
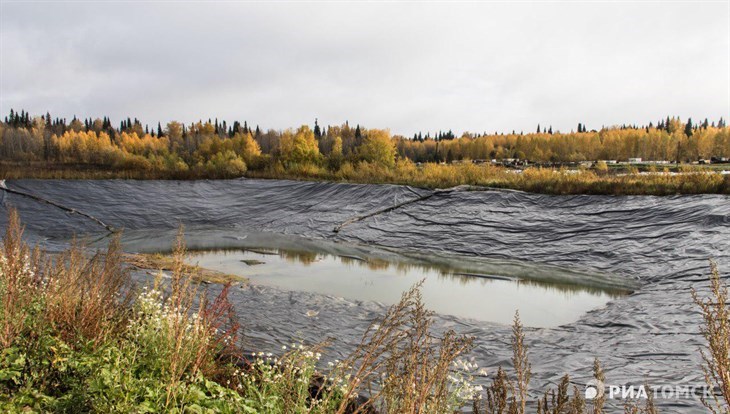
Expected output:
(538, 180)
(716, 330)
(72, 336)
(430, 175)
(402, 365)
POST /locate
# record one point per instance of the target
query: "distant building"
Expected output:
(634, 160)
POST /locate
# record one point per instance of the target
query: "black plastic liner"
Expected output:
(661, 244)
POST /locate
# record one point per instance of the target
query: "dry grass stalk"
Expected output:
(633, 406)
(598, 403)
(560, 401)
(400, 364)
(521, 363)
(716, 331)
(20, 281)
(214, 326)
(84, 299)
(505, 395)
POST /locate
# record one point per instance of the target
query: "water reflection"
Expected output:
(447, 289)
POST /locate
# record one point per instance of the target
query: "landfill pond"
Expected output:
(593, 276)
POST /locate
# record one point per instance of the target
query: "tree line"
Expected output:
(219, 149)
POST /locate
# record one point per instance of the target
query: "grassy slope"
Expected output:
(695, 180)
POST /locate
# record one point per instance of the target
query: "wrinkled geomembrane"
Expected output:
(663, 243)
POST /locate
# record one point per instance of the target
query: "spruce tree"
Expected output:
(688, 128)
(317, 131)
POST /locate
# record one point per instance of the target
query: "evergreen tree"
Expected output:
(538, 128)
(159, 130)
(317, 131)
(688, 128)
(358, 133)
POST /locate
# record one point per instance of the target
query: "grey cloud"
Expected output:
(406, 66)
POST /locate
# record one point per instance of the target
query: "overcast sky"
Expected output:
(404, 66)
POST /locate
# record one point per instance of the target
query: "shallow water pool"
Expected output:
(479, 296)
